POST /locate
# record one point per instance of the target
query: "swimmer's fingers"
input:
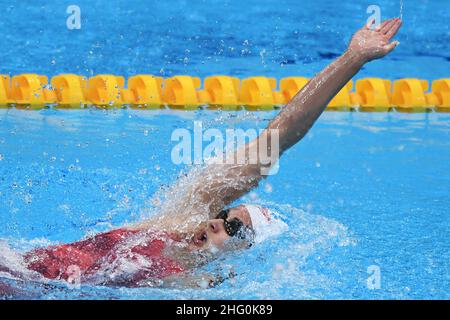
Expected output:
(390, 46)
(394, 29)
(387, 26)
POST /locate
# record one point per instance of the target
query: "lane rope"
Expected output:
(33, 91)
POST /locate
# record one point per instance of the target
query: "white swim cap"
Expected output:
(265, 225)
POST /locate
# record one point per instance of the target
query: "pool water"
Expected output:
(202, 38)
(361, 192)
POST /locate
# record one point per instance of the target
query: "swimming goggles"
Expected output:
(235, 227)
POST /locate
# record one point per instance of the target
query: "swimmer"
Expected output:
(196, 224)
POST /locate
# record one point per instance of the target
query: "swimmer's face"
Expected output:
(213, 233)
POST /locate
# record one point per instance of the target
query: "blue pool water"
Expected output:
(362, 190)
(240, 38)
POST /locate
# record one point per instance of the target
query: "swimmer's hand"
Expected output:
(371, 44)
(192, 280)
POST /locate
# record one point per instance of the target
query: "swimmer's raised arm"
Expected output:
(303, 110)
(219, 185)
(299, 115)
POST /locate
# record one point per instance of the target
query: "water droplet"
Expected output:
(268, 188)
(28, 198)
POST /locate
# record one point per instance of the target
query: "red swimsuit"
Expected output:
(90, 255)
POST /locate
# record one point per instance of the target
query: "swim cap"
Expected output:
(264, 224)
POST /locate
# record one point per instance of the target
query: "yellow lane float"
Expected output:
(258, 93)
(374, 94)
(180, 92)
(145, 91)
(440, 95)
(32, 91)
(221, 92)
(104, 90)
(409, 95)
(70, 90)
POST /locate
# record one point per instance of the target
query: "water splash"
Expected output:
(260, 272)
(12, 265)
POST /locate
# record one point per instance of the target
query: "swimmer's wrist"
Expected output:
(356, 56)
